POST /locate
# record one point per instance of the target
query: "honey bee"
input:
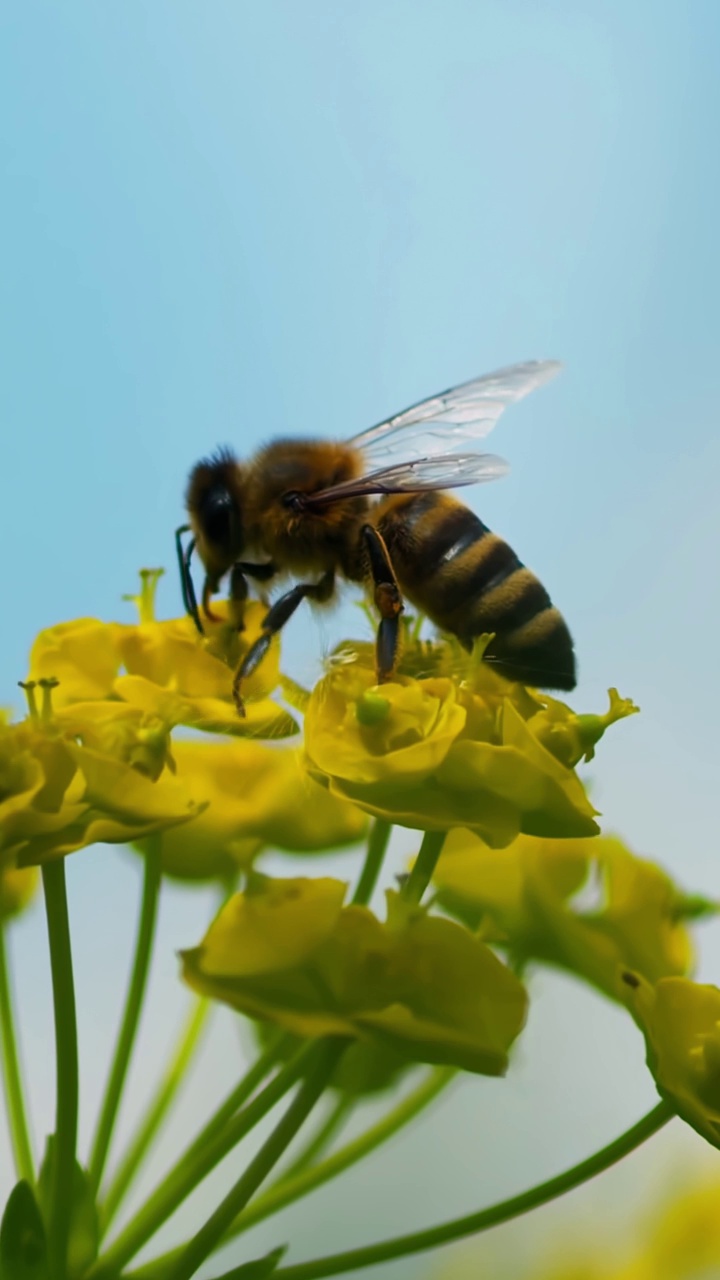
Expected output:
(374, 510)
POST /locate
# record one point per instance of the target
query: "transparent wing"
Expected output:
(449, 472)
(454, 418)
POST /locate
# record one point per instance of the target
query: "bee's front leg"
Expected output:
(280, 613)
(388, 600)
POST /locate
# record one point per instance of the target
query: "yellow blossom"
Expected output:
(288, 951)
(17, 887)
(680, 1020)
(60, 794)
(254, 795)
(434, 754)
(525, 897)
(572, 738)
(164, 668)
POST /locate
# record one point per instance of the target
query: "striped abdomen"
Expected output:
(469, 581)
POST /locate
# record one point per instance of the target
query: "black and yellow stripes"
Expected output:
(469, 581)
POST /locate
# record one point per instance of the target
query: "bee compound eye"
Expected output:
(217, 516)
(294, 500)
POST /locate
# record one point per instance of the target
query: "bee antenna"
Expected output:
(187, 586)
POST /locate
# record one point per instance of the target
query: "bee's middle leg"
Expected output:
(388, 601)
(280, 613)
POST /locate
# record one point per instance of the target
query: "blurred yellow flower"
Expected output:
(434, 754)
(525, 897)
(254, 795)
(680, 1020)
(17, 887)
(288, 951)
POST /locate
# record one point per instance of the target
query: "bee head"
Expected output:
(216, 503)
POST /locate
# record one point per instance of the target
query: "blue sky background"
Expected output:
(226, 221)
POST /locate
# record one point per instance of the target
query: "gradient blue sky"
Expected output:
(225, 221)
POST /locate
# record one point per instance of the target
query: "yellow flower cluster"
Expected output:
(94, 760)
(436, 752)
(448, 746)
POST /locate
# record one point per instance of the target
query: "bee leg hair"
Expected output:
(278, 615)
(388, 601)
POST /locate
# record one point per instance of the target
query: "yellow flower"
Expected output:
(254, 795)
(433, 754)
(680, 1020)
(525, 897)
(59, 794)
(81, 656)
(288, 951)
(17, 887)
(572, 738)
(165, 668)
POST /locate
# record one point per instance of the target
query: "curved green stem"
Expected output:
(473, 1223)
(212, 1231)
(291, 1188)
(190, 1038)
(377, 845)
(12, 1078)
(63, 1159)
(424, 865)
(131, 1015)
(212, 1145)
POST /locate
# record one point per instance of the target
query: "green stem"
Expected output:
(473, 1223)
(131, 1015)
(294, 1188)
(212, 1145)
(424, 866)
(157, 1109)
(63, 1160)
(12, 1078)
(377, 845)
(289, 1189)
(334, 1120)
(212, 1231)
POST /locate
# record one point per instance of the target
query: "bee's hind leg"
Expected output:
(388, 600)
(275, 619)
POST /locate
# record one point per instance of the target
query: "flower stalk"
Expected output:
(211, 1233)
(473, 1223)
(63, 1151)
(424, 866)
(157, 1109)
(12, 1075)
(377, 846)
(132, 1011)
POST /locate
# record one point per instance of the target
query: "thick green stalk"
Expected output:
(63, 1162)
(190, 1038)
(12, 1077)
(424, 865)
(131, 1015)
(321, 1139)
(205, 1153)
(377, 845)
(212, 1231)
(419, 1241)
